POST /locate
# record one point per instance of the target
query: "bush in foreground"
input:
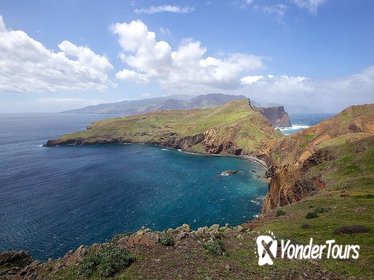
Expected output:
(216, 247)
(107, 262)
(280, 212)
(351, 229)
(166, 240)
(311, 215)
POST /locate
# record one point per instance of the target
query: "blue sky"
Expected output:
(58, 55)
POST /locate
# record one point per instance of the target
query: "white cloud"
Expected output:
(278, 10)
(311, 5)
(27, 66)
(145, 94)
(59, 101)
(326, 95)
(248, 80)
(130, 75)
(165, 9)
(188, 66)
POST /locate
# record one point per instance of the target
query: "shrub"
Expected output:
(321, 210)
(280, 212)
(88, 266)
(306, 226)
(166, 240)
(311, 215)
(107, 262)
(216, 247)
(351, 229)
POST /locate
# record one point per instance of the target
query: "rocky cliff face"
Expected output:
(277, 116)
(293, 156)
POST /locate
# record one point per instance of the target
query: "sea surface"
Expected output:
(54, 199)
(302, 121)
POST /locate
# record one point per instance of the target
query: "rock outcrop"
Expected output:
(277, 116)
(229, 172)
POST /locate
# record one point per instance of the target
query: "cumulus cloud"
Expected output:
(165, 9)
(283, 83)
(187, 66)
(329, 95)
(27, 66)
(310, 5)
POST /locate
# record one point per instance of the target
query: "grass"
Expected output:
(348, 189)
(343, 211)
(234, 122)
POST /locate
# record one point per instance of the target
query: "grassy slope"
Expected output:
(350, 182)
(289, 149)
(351, 172)
(234, 121)
(348, 198)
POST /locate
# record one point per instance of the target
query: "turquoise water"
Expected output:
(55, 199)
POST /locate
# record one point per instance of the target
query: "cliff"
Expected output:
(233, 128)
(277, 116)
(294, 156)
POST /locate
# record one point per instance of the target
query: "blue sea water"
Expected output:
(302, 121)
(55, 199)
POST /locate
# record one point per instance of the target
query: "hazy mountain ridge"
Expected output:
(133, 107)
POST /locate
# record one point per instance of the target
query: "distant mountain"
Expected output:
(134, 107)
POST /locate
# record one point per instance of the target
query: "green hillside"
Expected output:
(234, 127)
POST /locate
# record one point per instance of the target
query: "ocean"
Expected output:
(54, 199)
(57, 198)
(302, 121)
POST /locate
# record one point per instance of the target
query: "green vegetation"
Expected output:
(166, 240)
(234, 122)
(351, 229)
(311, 215)
(215, 247)
(280, 212)
(342, 209)
(106, 262)
(345, 211)
(118, 236)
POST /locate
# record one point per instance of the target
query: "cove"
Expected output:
(56, 199)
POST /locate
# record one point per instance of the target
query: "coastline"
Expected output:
(251, 158)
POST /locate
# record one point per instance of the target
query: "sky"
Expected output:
(310, 55)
